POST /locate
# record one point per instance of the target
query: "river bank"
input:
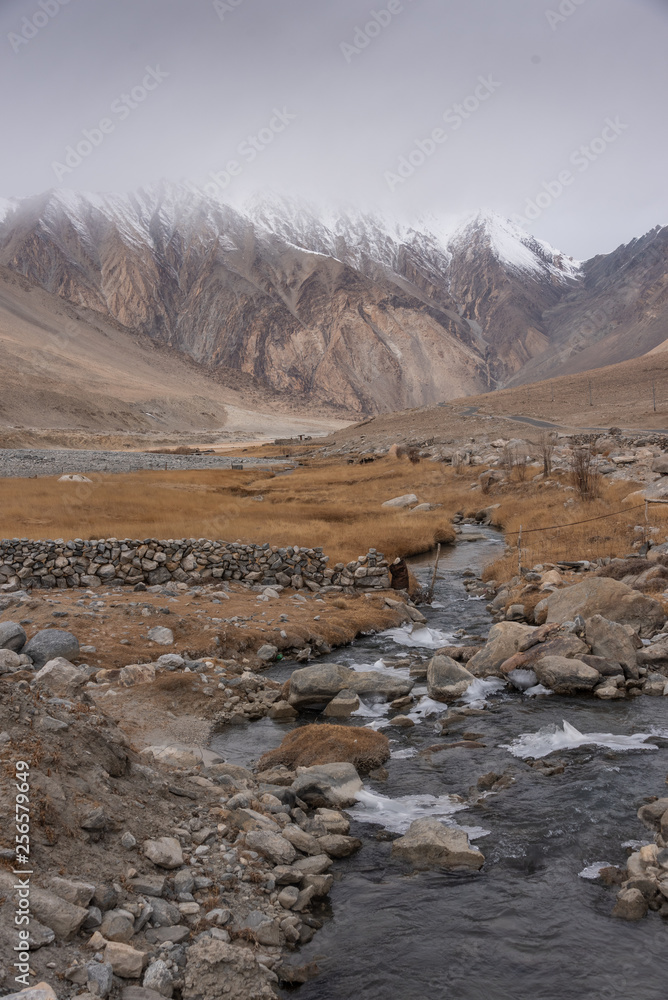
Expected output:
(532, 782)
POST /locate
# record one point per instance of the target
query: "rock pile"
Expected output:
(112, 561)
(644, 883)
(585, 656)
(188, 878)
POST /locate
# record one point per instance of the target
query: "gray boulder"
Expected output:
(565, 644)
(343, 705)
(378, 684)
(564, 676)
(60, 678)
(12, 636)
(403, 501)
(429, 843)
(161, 634)
(609, 598)
(317, 685)
(49, 643)
(9, 661)
(53, 911)
(327, 785)
(447, 680)
(610, 640)
(272, 846)
(654, 656)
(504, 640)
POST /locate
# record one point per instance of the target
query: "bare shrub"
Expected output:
(507, 459)
(584, 474)
(547, 451)
(521, 466)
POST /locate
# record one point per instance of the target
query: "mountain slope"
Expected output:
(346, 311)
(67, 368)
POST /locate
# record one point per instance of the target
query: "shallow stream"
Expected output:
(530, 925)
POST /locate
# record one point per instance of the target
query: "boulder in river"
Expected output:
(49, 643)
(429, 843)
(328, 785)
(343, 705)
(504, 641)
(364, 748)
(447, 680)
(565, 676)
(630, 905)
(609, 598)
(317, 685)
(611, 641)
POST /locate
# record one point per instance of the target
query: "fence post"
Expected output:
(519, 551)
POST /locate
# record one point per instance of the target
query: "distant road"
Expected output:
(545, 424)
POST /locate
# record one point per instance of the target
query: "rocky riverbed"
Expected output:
(168, 862)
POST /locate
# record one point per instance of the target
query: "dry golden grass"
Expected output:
(326, 502)
(329, 503)
(329, 744)
(537, 506)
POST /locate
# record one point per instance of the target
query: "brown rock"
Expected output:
(630, 905)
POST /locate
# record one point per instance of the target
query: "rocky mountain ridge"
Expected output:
(347, 311)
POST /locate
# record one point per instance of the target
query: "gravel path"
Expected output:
(52, 462)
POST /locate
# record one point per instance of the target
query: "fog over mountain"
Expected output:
(354, 312)
(551, 112)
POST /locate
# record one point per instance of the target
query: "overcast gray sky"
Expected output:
(516, 88)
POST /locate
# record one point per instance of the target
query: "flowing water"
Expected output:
(533, 924)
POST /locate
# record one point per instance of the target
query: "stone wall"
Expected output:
(78, 563)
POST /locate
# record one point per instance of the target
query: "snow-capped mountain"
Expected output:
(342, 308)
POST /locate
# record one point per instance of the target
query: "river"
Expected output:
(528, 926)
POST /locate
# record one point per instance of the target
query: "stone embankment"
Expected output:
(113, 561)
(24, 462)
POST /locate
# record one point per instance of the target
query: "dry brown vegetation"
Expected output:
(328, 744)
(329, 503)
(326, 503)
(540, 506)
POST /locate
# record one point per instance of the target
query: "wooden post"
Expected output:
(430, 592)
(654, 394)
(590, 399)
(519, 552)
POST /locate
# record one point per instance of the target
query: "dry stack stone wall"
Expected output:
(79, 563)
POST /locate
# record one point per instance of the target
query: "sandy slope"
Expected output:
(64, 369)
